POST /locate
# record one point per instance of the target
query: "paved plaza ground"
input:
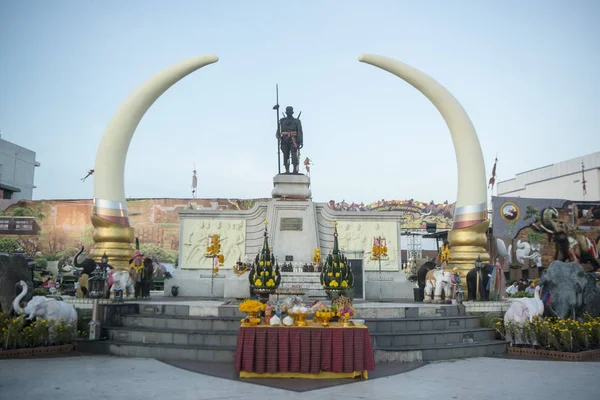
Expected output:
(107, 377)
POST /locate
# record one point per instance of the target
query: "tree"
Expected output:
(8, 245)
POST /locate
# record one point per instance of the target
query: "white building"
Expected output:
(17, 170)
(562, 180)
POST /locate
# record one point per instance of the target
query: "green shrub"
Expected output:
(41, 263)
(52, 257)
(41, 291)
(8, 245)
(157, 253)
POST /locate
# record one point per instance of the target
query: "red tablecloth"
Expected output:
(263, 349)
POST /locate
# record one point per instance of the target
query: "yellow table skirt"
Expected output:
(302, 375)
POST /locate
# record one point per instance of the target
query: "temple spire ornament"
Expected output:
(264, 275)
(336, 275)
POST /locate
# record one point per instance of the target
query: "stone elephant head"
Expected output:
(36, 307)
(572, 290)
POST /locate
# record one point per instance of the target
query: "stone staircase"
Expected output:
(308, 282)
(179, 332)
(428, 334)
(167, 332)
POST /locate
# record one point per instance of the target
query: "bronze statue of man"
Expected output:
(290, 135)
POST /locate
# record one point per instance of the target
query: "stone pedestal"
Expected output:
(292, 230)
(291, 186)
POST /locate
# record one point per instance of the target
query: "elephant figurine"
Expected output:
(570, 245)
(572, 290)
(484, 276)
(120, 280)
(85, 268)
(42, 307)
(526, 251)
(437, 282)
(520, 311)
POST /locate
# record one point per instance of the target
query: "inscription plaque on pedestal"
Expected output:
(290, 224)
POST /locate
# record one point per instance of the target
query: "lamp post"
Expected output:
(96, 292)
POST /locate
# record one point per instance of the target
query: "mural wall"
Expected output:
(416, 213)
(66, 223)
(62, 224)
(534, 232)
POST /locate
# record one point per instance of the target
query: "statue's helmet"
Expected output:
(289, 110)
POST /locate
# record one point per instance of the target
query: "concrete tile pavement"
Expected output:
(107, 377)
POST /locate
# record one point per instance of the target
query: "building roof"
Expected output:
(9, 188)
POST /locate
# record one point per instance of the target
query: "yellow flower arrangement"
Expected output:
(344, 283)
(252, 306)
(325, 314)
(317, 256)
(258, 282)
(333, 284)
(270, 283)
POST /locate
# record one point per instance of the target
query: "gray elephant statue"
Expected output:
(14, 269)
(484, 277)
(570, 245)
(572, 290)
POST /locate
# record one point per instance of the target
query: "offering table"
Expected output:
(312, 352)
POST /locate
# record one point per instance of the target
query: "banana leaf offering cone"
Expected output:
(264, 275)
(336, 274)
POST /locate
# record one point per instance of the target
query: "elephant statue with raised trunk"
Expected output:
(571, 246)
(438, 282)
(45, 308)
(85, 268)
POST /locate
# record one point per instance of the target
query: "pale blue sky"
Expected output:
(527, 74)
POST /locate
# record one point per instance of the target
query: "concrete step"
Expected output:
(180, 322)
(421, 324)
(416, 338)
(369, 311)
(158, 351)
(400, 354)
(172, 336)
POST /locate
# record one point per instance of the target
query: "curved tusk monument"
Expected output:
(468, 235)
(112, 233)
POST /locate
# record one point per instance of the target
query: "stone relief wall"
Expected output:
(194, 239)
(358, 235)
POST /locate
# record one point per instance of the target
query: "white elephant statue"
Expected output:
(520, 311)
(120, 280)
(438, 281)
(41, 307)
(526, 251)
